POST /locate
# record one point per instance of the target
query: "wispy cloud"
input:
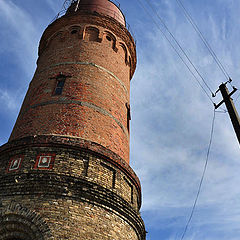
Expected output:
(171, 129)
(24, 35)
(55, 5)
(7, 101)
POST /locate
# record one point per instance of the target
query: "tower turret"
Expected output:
(65, 171)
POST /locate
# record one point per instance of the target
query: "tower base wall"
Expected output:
(74, 188)
(63, 219)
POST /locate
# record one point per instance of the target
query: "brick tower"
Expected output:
(65, 171)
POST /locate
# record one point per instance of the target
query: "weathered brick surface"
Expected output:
(74, 143)
(79, 184)
(79, 162)
(71, 219)
(94, 98)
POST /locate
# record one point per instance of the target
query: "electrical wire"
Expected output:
(202, 178)
(196, 28)
(178, 44)
(174, 48)
(223, 110)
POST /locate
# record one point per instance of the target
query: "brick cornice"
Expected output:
(78, 144)
(94, 18)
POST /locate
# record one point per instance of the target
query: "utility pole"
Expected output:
(230, 107)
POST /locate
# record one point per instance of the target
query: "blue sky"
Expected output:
(171, 115)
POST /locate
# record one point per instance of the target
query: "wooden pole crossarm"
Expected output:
(218, 105)
(230, 107)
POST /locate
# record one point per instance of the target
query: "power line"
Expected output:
(213, 121)
(178, 44)
(196, 28)
(203, 175)
(223, 110)
(174, 48)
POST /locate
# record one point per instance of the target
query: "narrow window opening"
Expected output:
(86, 166)
(74, 31)
(128, 116)
(60, 84)
(108, 38)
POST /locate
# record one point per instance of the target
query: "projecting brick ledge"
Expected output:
(97, 19)
(74, 143)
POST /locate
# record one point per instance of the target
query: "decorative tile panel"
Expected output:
(45, 161)
(15, 163)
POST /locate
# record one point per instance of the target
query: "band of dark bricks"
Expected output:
(59, 186)
(78, 144)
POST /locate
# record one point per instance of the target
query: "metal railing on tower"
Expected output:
(68, 3)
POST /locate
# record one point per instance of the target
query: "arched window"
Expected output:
(91, 34)
(74, 30)
(60, 81)
(17, 227)
(20, 223)
(123, 51)
(110, 40)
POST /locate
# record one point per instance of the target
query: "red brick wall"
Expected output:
(98, 56)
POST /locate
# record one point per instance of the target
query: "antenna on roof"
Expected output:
(77, 5)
